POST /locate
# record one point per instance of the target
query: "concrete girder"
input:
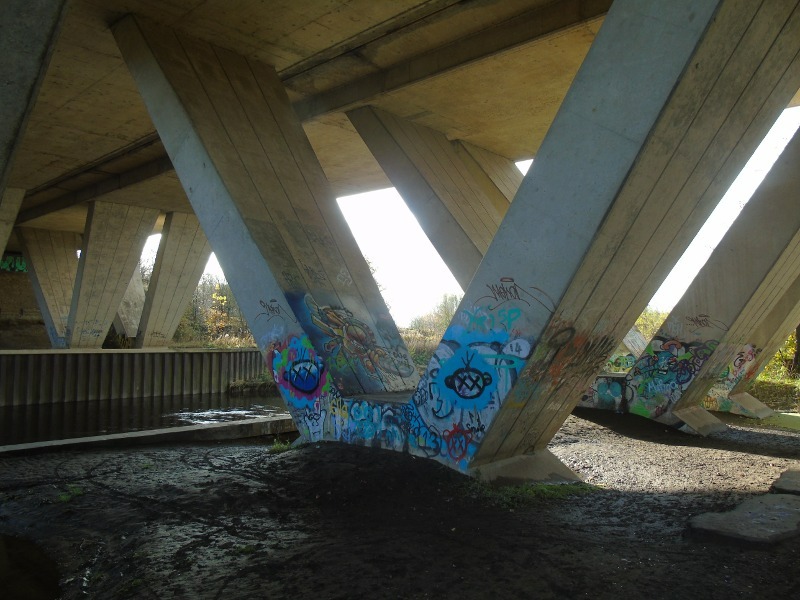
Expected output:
(52, 258)
(269, 214)
(25, 51)
(181, 259)
(112, 245)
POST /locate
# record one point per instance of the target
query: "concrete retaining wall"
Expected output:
(44, 376)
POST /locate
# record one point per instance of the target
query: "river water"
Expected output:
(64, 420)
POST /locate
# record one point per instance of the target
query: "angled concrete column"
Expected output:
(269, 213)
(667, 107)
(129, 313)
(113, 240)
(458, 205)
(52, 258)
(766, 338)
(747, 274)
(502, 172)
(181, 259)
(10, 201)
(25, 52)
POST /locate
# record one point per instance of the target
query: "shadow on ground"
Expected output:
(231, 520)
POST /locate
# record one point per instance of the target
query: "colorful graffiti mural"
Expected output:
(474, 367)
(741, 366)
(13, 263)
(666, 369)
(608, 392)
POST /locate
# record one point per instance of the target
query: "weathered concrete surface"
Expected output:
(10, 201)
(182, 256)
(129, 313)
(541, 468)
(112, 245)
(52, 258)
(769, 518)
(787, 483)
(28, 30)
(267, 209)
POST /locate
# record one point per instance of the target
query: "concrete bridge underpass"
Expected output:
(236, 130)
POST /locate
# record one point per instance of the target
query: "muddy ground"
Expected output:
(229, 520)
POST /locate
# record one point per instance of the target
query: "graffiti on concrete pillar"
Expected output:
(477, 363)
(740, 368)
(13, 263)
(661, 375)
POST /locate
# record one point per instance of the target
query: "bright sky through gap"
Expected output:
(412, 274)
(414, 278)
(727, 210)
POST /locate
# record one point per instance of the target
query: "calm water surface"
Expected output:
(57, 421)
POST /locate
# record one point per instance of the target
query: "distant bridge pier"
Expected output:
(768, 334)
(113, 241)
(129, 313)
(182, 256)
(711, 327)
(52, 258)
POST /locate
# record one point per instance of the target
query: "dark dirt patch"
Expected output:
(334, 521)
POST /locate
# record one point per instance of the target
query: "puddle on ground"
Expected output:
(65, 420)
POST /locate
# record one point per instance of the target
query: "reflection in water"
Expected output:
(57, 421)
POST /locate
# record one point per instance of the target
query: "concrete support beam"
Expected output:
(666, 109)
(126, 322)
(10, 201)
(181, 259)
(25, 51)
(743, 278)
(52, 258)
(112, 245)
(271, 218)
(539, 22)
(458, 215)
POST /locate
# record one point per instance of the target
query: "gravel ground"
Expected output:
(230, 520)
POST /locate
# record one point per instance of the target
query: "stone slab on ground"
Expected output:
(768, 518)
(787, 483)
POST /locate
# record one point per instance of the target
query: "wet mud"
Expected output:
(231, 520)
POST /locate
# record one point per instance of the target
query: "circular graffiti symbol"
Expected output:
(468, 382)
(458, 441)
(304, 374)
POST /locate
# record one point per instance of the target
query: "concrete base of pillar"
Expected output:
(746, 405)
(540, 467)
(700, 420)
